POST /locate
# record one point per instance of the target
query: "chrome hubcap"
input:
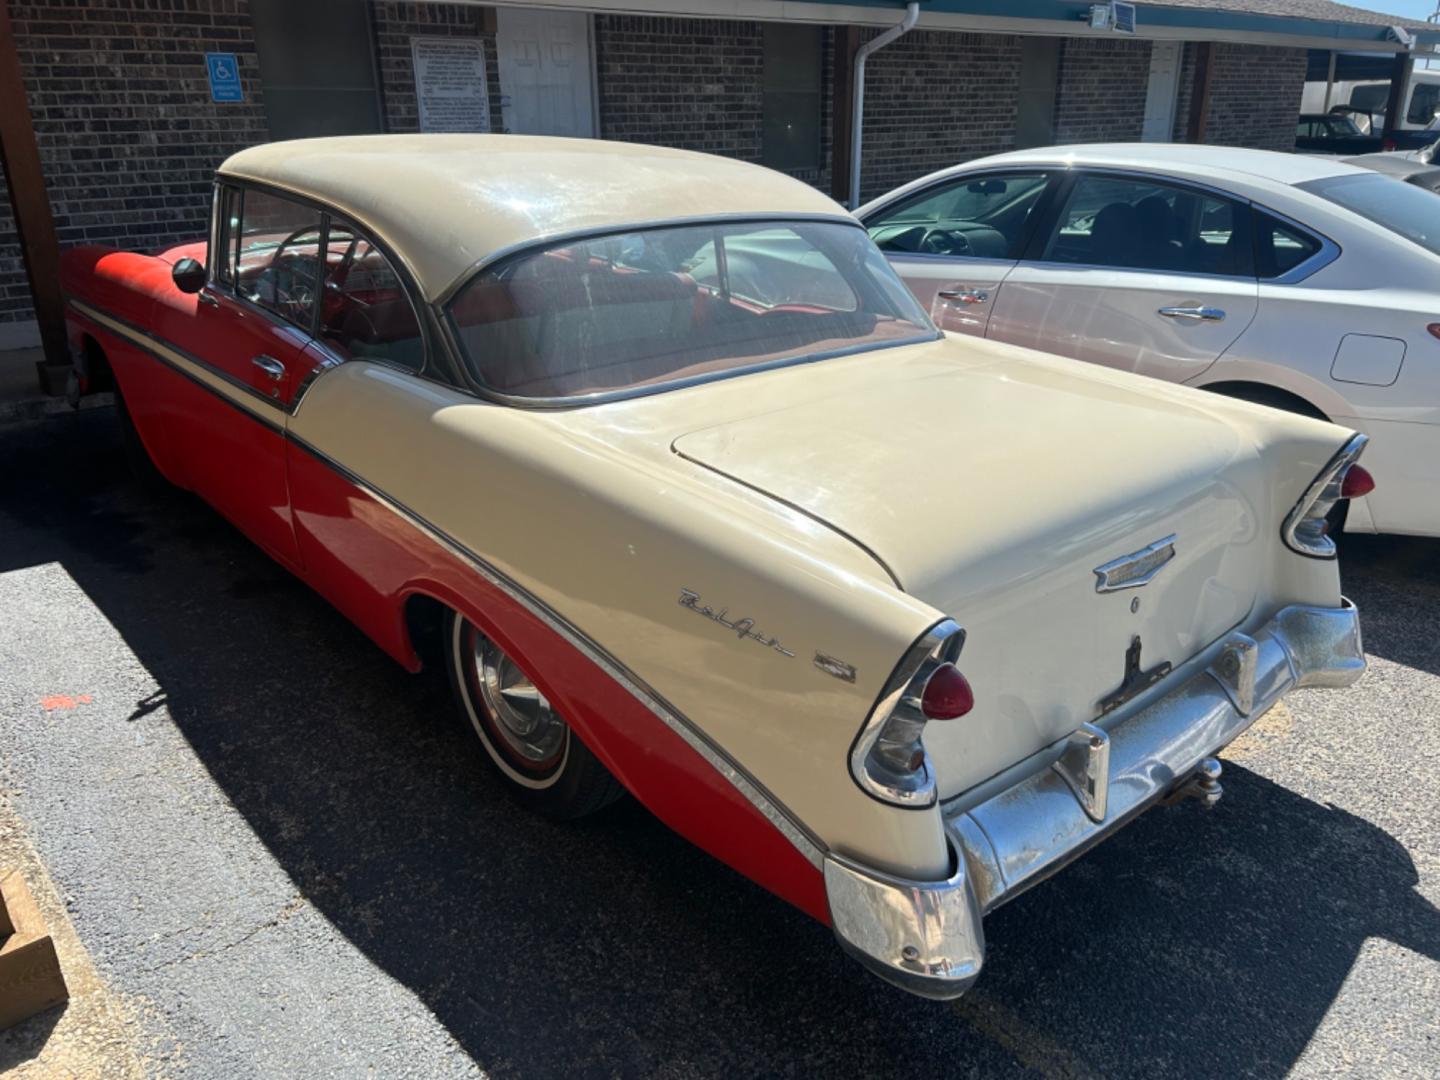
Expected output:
(521, 715)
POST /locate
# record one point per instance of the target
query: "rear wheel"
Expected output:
(544, 764)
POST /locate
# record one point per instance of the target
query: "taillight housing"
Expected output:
(1306, 529)
(888, 759)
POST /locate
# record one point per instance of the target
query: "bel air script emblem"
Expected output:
(1137, 568)
(744, 628)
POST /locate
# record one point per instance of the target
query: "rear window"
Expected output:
(663, 306)
(1404, 209)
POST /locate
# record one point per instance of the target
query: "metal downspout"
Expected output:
(912, 13)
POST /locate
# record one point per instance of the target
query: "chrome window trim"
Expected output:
(945, 634)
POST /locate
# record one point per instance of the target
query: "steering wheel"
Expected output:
(288, 287)
(944, 242)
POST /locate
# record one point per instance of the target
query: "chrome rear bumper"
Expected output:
(928, 938)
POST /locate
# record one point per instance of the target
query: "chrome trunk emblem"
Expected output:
(1137, 568)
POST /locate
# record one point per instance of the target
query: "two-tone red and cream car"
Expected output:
(706, 509)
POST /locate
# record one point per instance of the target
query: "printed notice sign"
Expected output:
(450, 89)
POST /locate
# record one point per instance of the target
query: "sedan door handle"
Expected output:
(273, 368)
(964, 296)
(1211, 314)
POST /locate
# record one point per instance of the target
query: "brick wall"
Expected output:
(395, 24)
(936, 98)
(1101, 89)
(1254, 95)
(128, 137)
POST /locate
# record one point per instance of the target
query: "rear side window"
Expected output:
(1404, 209)
(1280, 248)
(977, 216)
(1136, 224)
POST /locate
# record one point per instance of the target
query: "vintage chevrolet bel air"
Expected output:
(657, 456)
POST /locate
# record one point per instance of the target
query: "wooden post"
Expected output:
(1395, 103)
(1200, 92)
(842, 104)
(34, 224)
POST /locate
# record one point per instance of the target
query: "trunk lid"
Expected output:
(994, 493)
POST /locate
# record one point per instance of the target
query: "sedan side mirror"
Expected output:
(188, 275)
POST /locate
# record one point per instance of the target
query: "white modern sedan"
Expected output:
(1299, 282)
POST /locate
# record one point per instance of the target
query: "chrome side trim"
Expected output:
(928, 936)
(156, 347)
(804, 841)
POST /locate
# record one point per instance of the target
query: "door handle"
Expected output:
(964, 296)
(273, 369)
(1209, 314)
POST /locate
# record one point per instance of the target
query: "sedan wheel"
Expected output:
(546, 765)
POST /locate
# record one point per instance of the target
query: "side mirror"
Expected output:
(188, 275)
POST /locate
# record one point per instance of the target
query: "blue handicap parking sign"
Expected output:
(224, 77)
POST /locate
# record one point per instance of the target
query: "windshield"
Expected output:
(669, 305)
(1404, 209)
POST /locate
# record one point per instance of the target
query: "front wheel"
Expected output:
(546, 767)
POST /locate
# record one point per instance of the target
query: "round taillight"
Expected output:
(1357, 482)
(947, 694)
(1434, 329)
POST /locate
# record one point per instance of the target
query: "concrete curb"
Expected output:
(37, 408)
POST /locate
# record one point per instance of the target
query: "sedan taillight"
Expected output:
(1306, 529)
(888, 759)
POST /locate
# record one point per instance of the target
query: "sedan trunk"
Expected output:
(995, 494)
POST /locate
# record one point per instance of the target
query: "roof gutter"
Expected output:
(857, 115)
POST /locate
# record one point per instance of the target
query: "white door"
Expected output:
(545, 74)
(1160, 94)
(1141, 275)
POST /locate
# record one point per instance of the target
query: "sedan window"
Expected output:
(977, 216)
(1404, 209)
(1135, 224)
(366, 313)
(278, 262)
(1280, 248)
(669, 305)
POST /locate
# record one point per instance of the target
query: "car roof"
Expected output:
(1183, 159)
(444, 203)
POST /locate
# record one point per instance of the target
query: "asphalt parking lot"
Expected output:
(278, 851)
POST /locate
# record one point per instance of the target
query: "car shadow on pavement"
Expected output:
(1398, 602)
(1191, 944)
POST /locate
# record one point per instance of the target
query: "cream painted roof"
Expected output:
(444, 202)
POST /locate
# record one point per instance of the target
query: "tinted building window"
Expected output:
(790, 134)
(317, 67)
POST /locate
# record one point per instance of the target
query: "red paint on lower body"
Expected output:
(367, 560)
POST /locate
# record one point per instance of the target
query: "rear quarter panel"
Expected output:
(608, 542)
